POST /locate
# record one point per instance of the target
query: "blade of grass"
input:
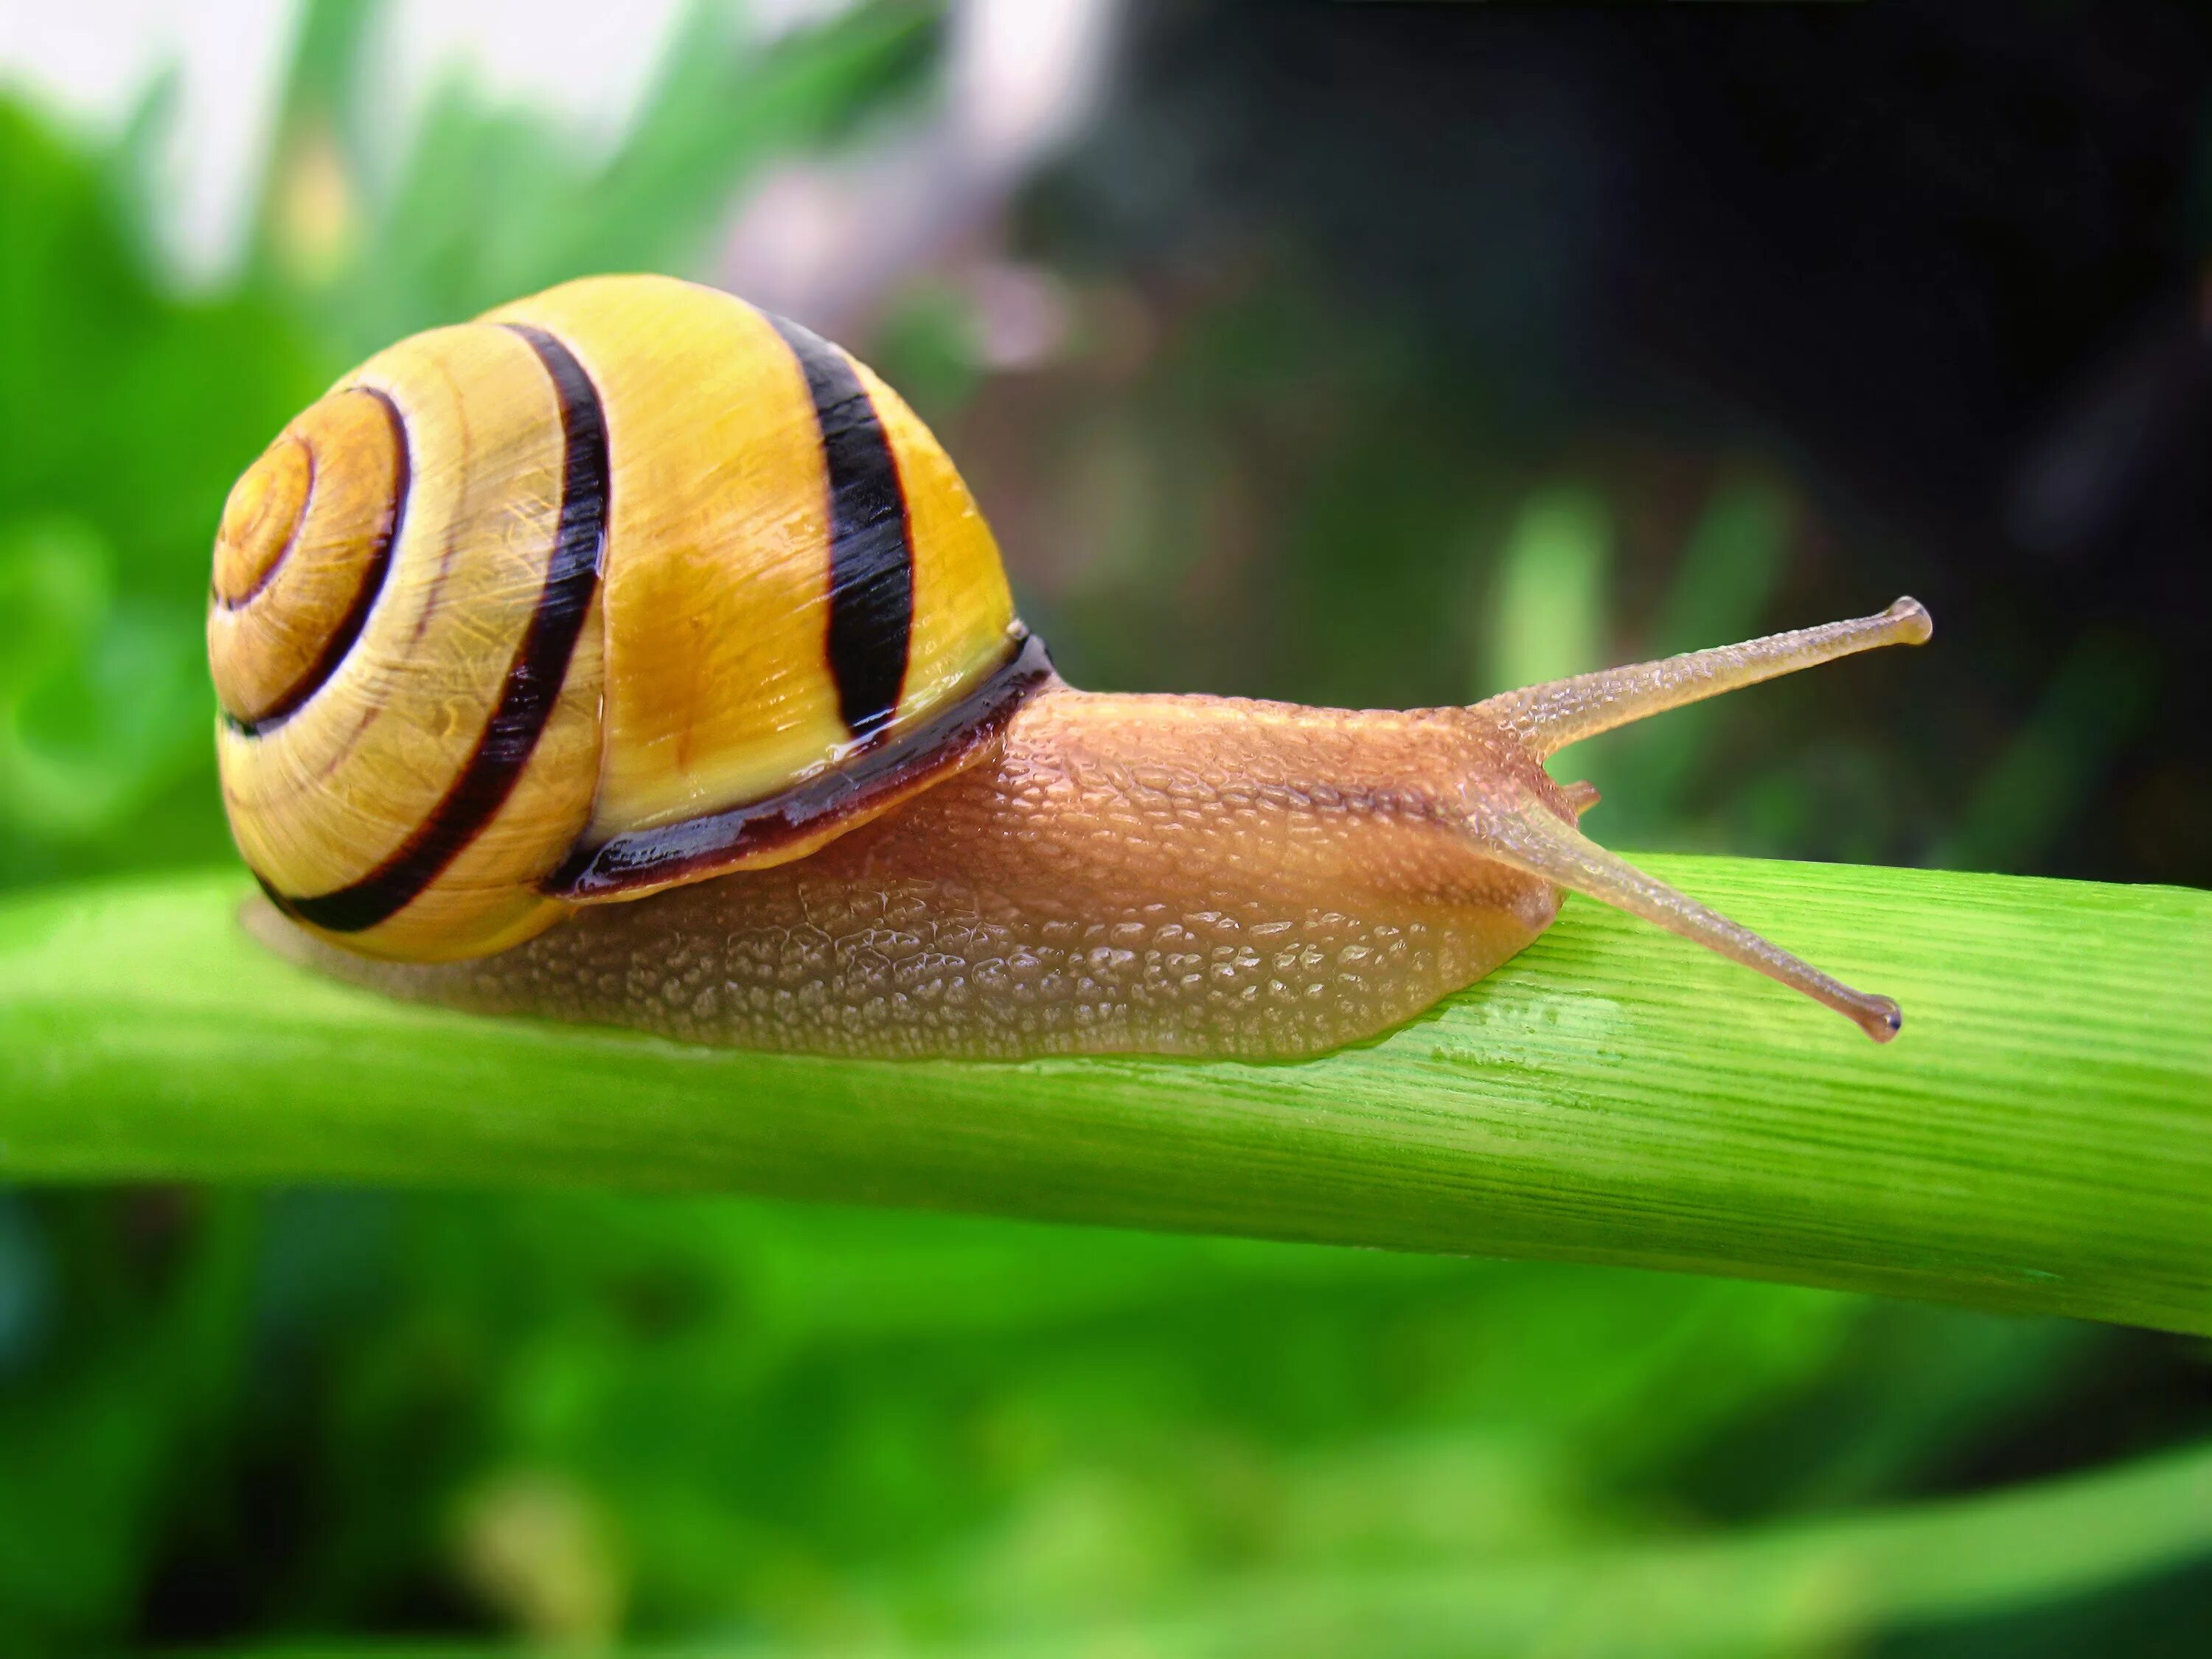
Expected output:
(2039, 1138)
(1807, 1587)
(1798, 1588)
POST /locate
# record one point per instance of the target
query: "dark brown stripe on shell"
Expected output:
(707, 846)
(373, 573)
(870, 543)
(532, 686)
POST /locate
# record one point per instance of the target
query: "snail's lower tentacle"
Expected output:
(1538, 842)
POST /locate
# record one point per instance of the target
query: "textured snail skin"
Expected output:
(1175, 875)
(1188, 875)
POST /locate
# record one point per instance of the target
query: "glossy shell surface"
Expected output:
(621, 586)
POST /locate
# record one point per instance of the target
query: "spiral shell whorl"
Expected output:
(305, 543)
(261, 520)
(408, 658)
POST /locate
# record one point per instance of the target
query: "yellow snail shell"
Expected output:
(622, 585)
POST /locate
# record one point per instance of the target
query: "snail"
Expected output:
(631, 656)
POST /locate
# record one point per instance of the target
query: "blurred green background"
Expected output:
(1359, 354)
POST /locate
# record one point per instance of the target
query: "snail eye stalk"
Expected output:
(1551, 716)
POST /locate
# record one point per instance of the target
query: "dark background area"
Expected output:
(1940, 267)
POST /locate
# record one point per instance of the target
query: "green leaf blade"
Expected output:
(2040, 1137)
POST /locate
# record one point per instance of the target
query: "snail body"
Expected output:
(629, 656)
